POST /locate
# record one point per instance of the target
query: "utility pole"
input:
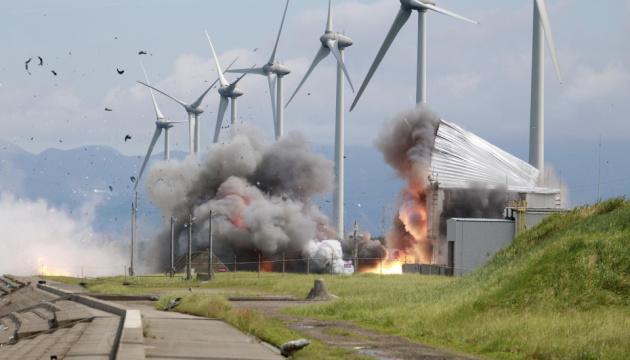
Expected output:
(210, 252)
(599, 167)
(172, 269)
(134, 210)
(356, 247)
(189, 255)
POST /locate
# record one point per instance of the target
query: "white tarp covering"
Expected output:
(461, 159)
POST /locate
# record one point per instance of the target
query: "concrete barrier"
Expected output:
(127, 344)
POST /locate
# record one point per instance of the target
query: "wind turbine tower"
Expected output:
(335, 43)
(406, 8)
(542, 30)
(269, 70)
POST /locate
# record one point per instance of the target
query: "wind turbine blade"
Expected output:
(333, 45)
(329, 22)
(257, 71)
(197, 103)
(156, 136)
(235, 82)
(443, 11)
(158, 113)
(321, 54)
(272, 94)
(272, 59)
(165, 94)
(544, 18)
(220, 114)
(216, 62)
(399, 22)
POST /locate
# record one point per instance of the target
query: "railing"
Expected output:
(296, 265)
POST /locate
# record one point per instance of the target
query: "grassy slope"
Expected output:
(562, 290)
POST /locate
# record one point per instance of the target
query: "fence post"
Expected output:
(382, 265)
(258, 264)
(308, 265)
(332, 261)
(283, 263)
(234, 266)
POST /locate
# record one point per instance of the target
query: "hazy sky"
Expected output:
(479, 75)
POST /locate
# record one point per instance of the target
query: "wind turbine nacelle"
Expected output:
(413, 4)
(164, 124)
(231, 92)
(343, 40)
(196, 111)
(277, 69)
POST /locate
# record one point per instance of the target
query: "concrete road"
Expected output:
(170, 335)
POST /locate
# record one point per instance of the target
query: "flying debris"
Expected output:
(26, 65)
(111, 188)
(41, 61)
(108, 109)
(127, 137)
(142, 52)
(120, 72)
(60, 141)
(53, 72)
(133, 179)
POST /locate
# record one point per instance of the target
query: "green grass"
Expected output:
(254, 323)
(561, 291)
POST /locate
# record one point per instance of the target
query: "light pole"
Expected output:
(172, 268)
(210, 252)
(356, 247)
(134, 210)
(189, 255)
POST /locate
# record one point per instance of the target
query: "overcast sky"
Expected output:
(479, 75)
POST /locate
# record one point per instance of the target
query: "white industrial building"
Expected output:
(479, 198)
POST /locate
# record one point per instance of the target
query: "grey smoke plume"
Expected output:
(406, 142)
(260, 197)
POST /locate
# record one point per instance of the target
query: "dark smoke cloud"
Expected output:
(259, 194)
(407, 142)
(476, 202)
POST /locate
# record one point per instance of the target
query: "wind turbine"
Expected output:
(406, 7)
(269, 70)
(335, 43)
(227, 91)
(193, 110)
(542, 30)
(161, 124)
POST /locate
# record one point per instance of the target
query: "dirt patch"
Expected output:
(346, 335)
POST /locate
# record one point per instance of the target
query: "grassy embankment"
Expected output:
(562, 290)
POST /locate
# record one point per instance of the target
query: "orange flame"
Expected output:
(266, 265)
(409, 240)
